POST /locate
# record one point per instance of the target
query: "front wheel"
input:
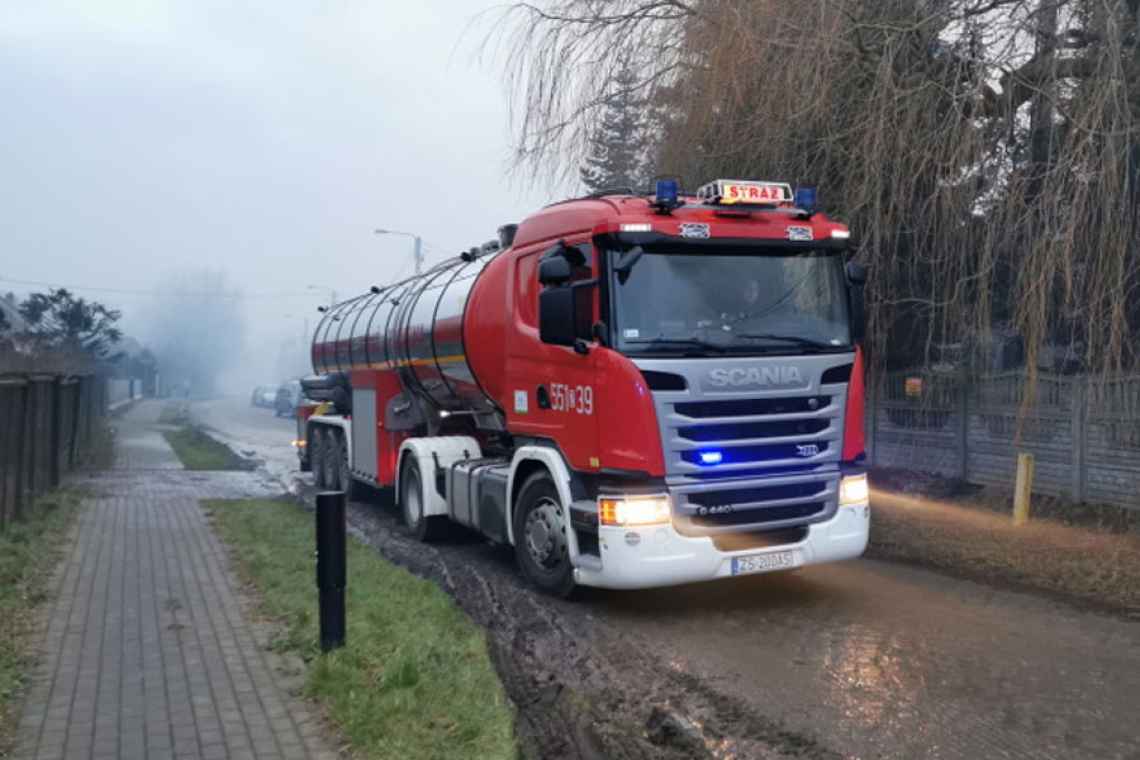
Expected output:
(316, 454)
(540, 537)
(423, 527)
(330, 460)
(344, 471)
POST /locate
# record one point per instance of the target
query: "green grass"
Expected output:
(198, 451)
(413, 681)
(29, 550)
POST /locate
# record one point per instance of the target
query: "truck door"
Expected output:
(552, 387)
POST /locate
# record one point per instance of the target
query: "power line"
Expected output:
(163, 293)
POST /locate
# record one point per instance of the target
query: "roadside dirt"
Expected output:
(1085, 555)
(858, 659)
(582, 690)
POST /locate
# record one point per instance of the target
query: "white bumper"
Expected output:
(660, 556)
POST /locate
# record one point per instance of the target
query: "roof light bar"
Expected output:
(731, 192)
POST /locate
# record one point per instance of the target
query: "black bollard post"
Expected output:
(331, 567)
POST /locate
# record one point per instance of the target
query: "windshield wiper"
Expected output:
(796, 339)
(692, 342)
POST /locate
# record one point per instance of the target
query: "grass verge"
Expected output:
(174, 413)
(198, 451)
(29, 549)
(415, 679)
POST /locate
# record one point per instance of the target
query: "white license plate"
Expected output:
(762, 563)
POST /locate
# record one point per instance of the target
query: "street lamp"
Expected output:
(417, 252)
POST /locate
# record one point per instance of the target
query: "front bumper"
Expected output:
(657, 555)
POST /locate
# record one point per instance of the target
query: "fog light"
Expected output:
(853, 489)
(634, 510)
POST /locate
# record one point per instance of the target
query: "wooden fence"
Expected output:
(48, 425)
(1084, 435)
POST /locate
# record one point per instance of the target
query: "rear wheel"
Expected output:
(540, 536)
(422, 526)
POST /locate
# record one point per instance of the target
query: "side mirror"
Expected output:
(857, 279)
(553, 270)
(565, 314)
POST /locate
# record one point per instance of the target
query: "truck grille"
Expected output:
(748, 459)
(752, 406)
(746, 433)
(759, 494)
(738, 430)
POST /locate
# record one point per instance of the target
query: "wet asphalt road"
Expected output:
(863, 659)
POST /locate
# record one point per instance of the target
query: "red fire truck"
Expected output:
(631, 390)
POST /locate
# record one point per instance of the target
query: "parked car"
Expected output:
(264, 395)
(287, 398)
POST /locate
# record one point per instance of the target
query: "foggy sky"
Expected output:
(264, 138)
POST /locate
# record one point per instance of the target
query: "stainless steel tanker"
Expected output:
(415, 326)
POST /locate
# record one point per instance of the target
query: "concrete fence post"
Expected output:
(76, 413)
(963, 424)
(7, 445)
(1079, 398)
(54, 468)
(23, 450)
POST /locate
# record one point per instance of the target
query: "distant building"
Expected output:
(128, 361)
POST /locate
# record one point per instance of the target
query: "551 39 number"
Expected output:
(577, 399)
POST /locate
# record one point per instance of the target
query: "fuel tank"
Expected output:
(415, 328)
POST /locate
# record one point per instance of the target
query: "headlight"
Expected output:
(853, 489)
(634, 510)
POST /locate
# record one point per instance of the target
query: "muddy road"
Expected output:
(863, 659)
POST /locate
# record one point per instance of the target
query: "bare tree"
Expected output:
(986, 152)
(198, 331)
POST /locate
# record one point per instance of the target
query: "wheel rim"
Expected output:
(545, 534)
(412, 500)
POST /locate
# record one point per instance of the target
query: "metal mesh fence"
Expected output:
(1084, 435)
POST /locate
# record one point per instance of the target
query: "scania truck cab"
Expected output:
(633, 391)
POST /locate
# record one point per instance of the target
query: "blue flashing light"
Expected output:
(805, 199)
(711, 457)
(667, 192)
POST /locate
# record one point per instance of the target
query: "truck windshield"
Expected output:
(698, 303)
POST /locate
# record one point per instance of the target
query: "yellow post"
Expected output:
(1022, 488)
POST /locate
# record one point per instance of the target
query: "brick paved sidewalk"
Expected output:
(146, 652)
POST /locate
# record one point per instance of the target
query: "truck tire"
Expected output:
(317, 456)
(344, 472)
(330, 460)
(422, 527)
(540, 536)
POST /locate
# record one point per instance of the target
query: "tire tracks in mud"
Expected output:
(581, 688)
